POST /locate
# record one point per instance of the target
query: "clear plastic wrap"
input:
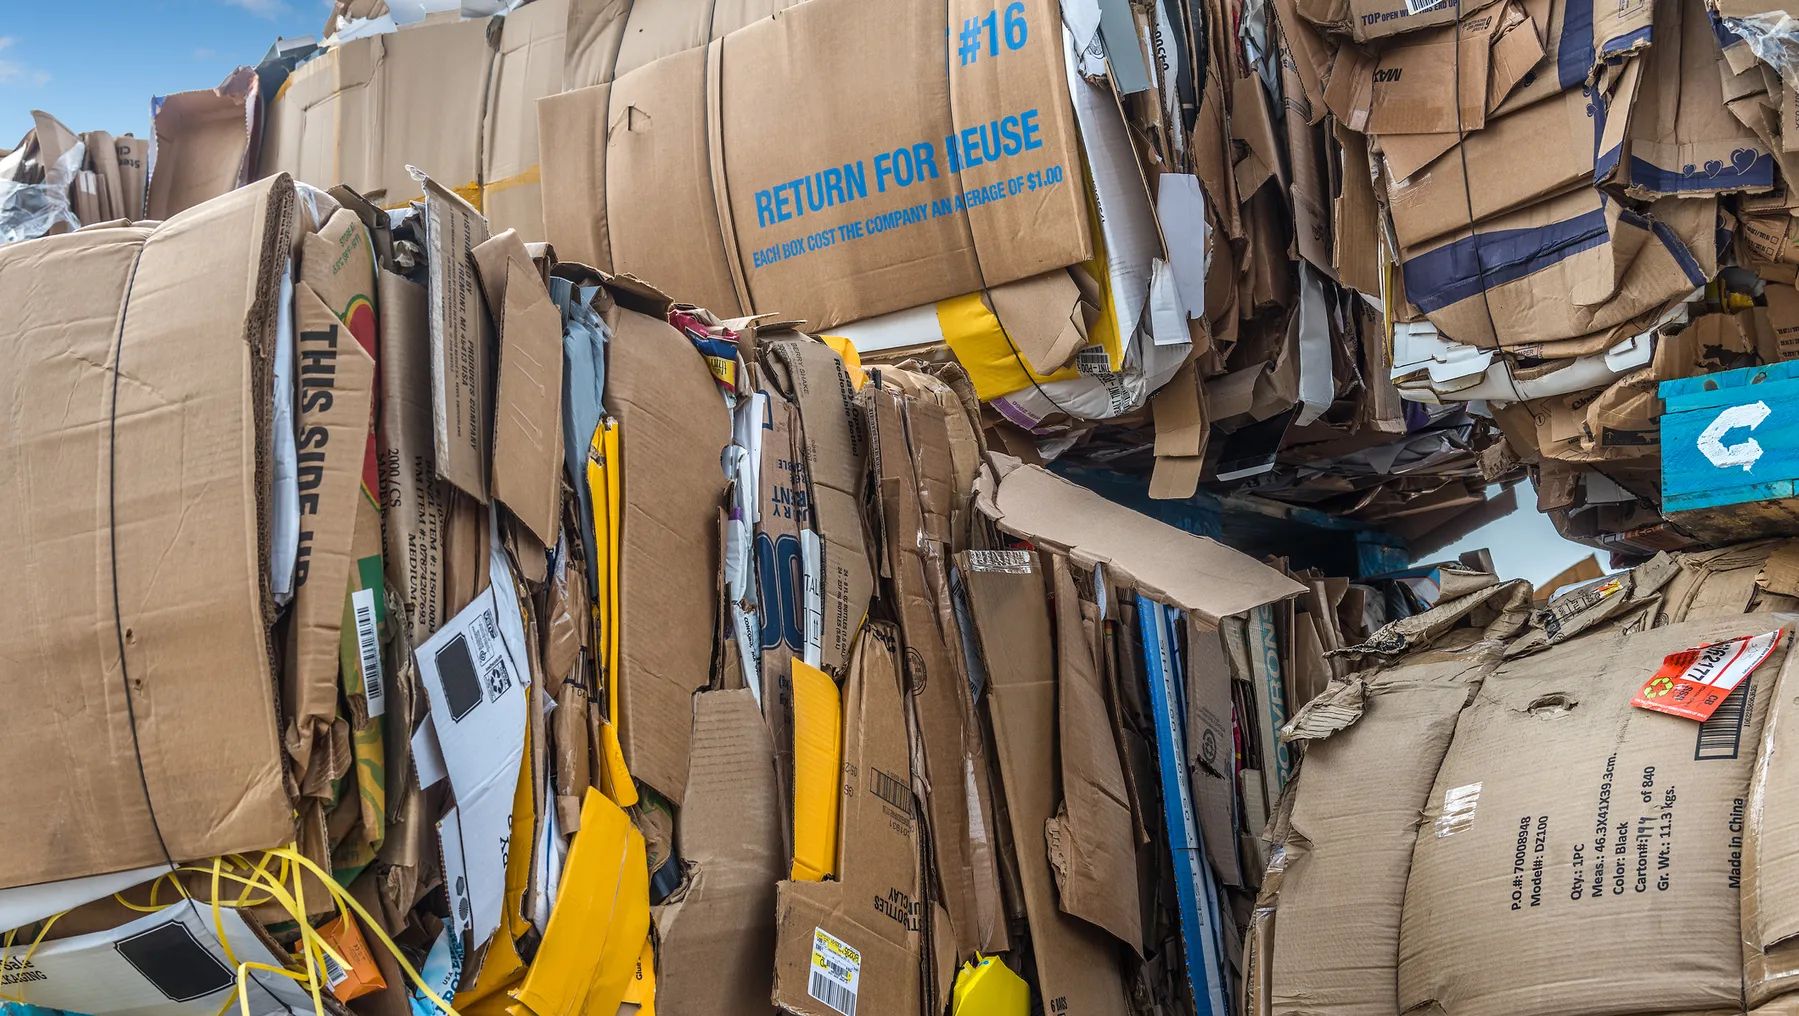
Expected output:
(1774, 39)
(31, 210)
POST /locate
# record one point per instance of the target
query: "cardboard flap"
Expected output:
(1406, 154)
(1039, 315)
(461, 341)
(1183, 570)
(527, 438)
(1091, 842)
(203, 143)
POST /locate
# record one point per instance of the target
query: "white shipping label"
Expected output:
(836, 972)
(368, 647)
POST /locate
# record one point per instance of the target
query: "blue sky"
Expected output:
(94, 64)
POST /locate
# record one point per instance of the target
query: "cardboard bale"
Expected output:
(1564, 814)
(361, 113)
(141, 610)
(830, 228)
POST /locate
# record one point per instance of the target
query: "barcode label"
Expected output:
(368, 644)
(836, 969)
(890, 790)
(334, 974)
(1093, 360)
(1721, 735)
(1420, 6)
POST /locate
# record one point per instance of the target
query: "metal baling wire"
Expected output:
(112, 527)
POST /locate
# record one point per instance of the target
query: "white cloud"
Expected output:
(262, 8)
(12, 72)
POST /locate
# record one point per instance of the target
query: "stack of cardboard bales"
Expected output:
(410, 619)
(1571, 207)
(1536, 790)
(1080, 216)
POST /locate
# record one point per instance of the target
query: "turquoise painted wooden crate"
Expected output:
(1730, 453)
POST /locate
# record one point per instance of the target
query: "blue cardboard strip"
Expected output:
(1195, 894)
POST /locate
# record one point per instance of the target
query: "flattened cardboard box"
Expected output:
(361, 113)
(462, 342)
(1770, 921)
(1077, 963)
(836, 443)
(717, 949)
(858, 937)
(1401, 90)
(673, 426)
(1586, 834)
(1366, 20)
(957, 177)
(105, 492)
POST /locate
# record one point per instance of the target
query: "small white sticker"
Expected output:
(334, 974)
(368, 647)
(836, 971)
(1420, 6)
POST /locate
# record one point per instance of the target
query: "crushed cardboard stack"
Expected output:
(408, 620)
(458, 620)
(1107, 217)
(1541, 785)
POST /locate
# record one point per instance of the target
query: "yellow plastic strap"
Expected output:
(529, 176)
